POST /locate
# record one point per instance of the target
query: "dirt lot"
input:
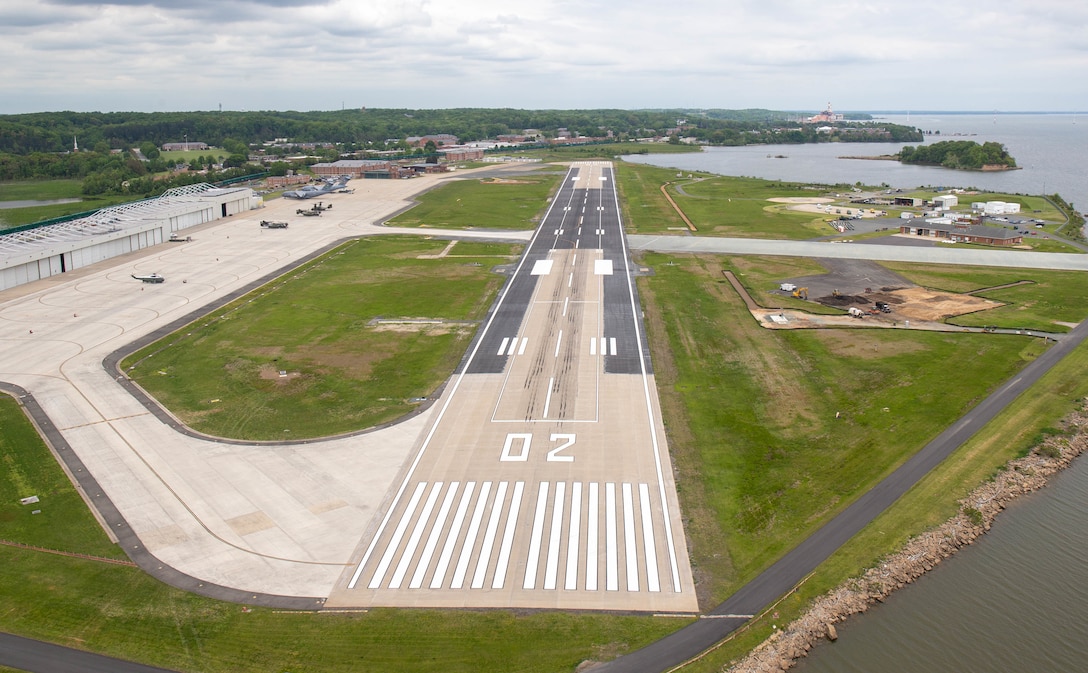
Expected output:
(914, 303)
(861, 283)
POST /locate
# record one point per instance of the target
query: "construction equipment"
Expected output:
(883, 307)
(856, 312)
(801, 293)
(836, 293)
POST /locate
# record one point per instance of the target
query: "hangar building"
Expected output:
(32, 252)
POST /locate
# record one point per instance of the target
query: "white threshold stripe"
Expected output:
(513, 346)
(524, 343)
(612, 343)
(571, 583)
(630, 549)
(653, 582)
(489, 537)
(432, 539)
(508, 537)
(593, 346)
(592, 523)
(611, 563)
(439, 577)
(394, 542)
(551, 570)
(534, 539)
(413, 540)
(470, 538)
(502, 346)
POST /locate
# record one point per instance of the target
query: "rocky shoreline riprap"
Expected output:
(922, 553)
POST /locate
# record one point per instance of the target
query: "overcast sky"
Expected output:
(159, 55)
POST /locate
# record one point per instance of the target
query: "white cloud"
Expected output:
(319, 54)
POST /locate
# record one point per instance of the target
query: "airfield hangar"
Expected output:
(35, 252)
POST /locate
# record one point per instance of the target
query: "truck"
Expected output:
(883, 307)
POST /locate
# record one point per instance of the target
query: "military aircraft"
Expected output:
(273, 225)
(312, 212)
(149, 278)
(309, 191)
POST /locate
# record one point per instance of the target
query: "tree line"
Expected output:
(364, 128)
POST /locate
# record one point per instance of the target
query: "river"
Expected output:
(1017, 600)
(1049, 148)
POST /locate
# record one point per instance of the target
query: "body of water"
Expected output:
(1017, 600)
(4, 205)
(1051, 150)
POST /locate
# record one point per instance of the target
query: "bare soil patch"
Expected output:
(924, 304)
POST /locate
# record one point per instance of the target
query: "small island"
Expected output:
(965, 155)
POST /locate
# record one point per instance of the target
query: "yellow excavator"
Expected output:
(801, 293)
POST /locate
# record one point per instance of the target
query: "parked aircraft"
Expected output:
(273, 225)
(150, 278)
(310, 191)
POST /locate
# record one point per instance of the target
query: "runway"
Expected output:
(544, 479)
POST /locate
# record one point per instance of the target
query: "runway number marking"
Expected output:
(525, 439)
(553, 455)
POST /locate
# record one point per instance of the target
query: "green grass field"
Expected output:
(484, 203)
(753, 412)
(724, 206)
(344, 372)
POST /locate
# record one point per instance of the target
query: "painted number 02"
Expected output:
(516, 447)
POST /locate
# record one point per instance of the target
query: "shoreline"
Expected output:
(923, 553)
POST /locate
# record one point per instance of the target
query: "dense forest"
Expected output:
(961, 154)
